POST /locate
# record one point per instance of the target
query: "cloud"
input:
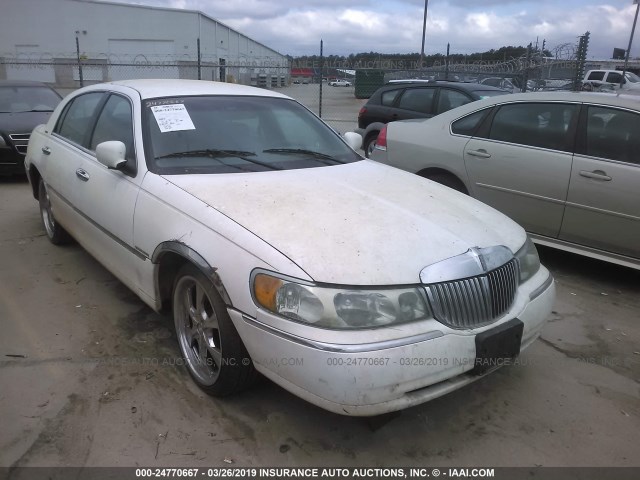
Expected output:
(395, 26)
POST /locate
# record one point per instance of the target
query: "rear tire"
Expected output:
(448, 181)
(214, 354)
(56, 234)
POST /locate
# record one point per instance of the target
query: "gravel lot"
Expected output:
(89, 376)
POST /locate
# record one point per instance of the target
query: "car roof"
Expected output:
(620, 100)
(22, 83)
(470, 86)
(602, 99)
(154, 88)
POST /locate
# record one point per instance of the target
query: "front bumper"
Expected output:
(373, 378)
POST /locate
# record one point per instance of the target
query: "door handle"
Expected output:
(596, 175)
(82, 175)
(46, 150)
(482, 153)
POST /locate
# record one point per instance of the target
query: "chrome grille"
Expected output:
(474, 301)
(20, 141)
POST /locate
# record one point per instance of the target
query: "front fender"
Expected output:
(186, 252)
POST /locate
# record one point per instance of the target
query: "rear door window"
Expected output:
(544, 125)
(388, 98)
(418, 99)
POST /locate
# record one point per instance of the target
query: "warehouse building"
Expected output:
(64, 42)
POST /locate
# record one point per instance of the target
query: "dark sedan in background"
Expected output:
(23, 106)
(406, 99)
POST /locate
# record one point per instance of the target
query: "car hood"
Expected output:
(23, 122)
(361, 224)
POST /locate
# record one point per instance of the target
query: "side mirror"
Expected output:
(353, 139)
(111, 154)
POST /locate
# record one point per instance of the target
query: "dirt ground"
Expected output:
(89, 376)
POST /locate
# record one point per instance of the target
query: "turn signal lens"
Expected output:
(265, 288)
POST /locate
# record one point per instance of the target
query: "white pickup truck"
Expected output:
(339, 83)
(603, 80)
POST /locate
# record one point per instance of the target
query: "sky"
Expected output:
(295, 27)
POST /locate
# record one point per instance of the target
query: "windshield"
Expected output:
(232, 134)
(27, 99)
(632, 77)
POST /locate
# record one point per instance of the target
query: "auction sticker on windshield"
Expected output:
(172, 118)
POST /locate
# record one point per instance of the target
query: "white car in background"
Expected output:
(278, 249)
(611, 80)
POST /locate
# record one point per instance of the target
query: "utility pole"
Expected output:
(633, 29)
(79, 58)
(424, 31)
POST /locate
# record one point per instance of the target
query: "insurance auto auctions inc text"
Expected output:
(373, 472)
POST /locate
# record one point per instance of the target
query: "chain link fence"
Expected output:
(65, 74)
(334, 90)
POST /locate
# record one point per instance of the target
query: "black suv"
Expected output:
(404, 99)
(23, 106)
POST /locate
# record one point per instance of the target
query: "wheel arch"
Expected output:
(372, 127)
(434, 171)
(34, 181)
(168, 258)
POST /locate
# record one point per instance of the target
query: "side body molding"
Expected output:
(194, 257)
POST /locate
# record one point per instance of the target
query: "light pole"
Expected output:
(424, 31)
(78, 57)
(633, 29)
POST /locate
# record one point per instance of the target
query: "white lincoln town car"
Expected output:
(278, 249)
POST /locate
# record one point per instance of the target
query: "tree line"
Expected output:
(501, 54)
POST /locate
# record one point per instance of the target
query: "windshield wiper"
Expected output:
(306, 152)
(213, 153)
(208, 153)
(36, 110)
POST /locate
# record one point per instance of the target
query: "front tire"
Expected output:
(370, 144)
(214, 354)
(56, 234)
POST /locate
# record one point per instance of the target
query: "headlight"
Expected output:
(338, 308)
(528, 260)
